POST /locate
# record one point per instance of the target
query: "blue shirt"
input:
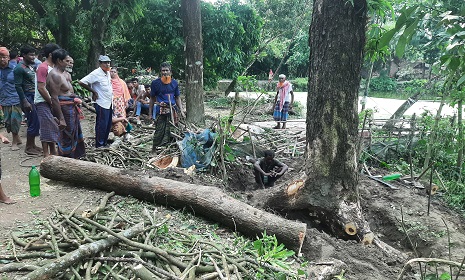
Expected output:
(162, 91)
(8, 94)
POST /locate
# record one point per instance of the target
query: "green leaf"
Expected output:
(461, 80)
(386, 38)
(400, 47)
(408, 32)
(404, 16)
(445, 276)
(454, 63)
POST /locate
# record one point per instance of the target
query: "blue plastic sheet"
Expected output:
(197, 149)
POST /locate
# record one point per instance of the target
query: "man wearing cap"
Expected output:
(282, 102)
(9, 99)
(25, 83)
(99, 83)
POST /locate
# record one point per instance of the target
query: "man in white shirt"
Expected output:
(99, 83)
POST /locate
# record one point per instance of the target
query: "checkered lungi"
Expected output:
(283, 114)
(12, 116)
(71, 143)
(49, 131)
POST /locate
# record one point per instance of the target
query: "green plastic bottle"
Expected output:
(34, 182)
(391, 177)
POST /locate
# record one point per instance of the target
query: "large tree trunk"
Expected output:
(337, 38)
(99, 21)
(192, 29)
(208, 201)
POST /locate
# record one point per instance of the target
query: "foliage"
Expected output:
(19, 26)
(283, 37)
(300, 84)
(412, 86)
(383, 84)
(79, 90)
(267, 251)
(393, 153)
(231, 35)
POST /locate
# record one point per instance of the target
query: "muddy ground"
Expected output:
(397, 217)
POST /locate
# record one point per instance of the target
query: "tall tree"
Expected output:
(86, 20)
(192, 29)
(330, 192)
(337, 41)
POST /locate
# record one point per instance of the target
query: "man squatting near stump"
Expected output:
(267, 170)
(283, 101)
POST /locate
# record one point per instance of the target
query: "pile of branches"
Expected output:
(128, 239)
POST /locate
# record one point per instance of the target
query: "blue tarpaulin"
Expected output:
(197, 149)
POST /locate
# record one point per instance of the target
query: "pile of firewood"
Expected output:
(127, 239)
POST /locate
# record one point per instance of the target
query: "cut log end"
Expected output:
(368, 238)
(350, 228)
(295, 186)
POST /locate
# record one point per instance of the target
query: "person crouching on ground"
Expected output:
(282, 102)
(267, 170)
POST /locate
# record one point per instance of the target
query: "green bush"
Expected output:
(299, 84)
(383, 84)
(413, 86)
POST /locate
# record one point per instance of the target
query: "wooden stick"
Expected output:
(251, 141)
(426, 260)
(50, 270)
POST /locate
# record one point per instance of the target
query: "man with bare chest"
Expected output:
(65, 106)
(49, 132)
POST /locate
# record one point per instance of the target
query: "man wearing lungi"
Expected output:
(99, 83)
(65, 106)
(164, 92)
(25, 84)
(49, 132)
(9, 99)
(283, 102)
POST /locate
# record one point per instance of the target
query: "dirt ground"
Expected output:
(397, 217)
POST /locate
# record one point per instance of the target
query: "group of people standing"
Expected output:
(43, 92)
(113, 97)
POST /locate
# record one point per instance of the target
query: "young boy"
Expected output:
(3, 198)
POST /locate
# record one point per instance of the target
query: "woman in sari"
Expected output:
(121, 94)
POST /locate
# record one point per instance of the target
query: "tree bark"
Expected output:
(192, 28)
(207, 201)
(330, 189)
(99, 20)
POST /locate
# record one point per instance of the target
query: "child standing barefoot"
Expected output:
(3, 198)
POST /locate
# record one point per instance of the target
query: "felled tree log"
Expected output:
(207, 201)
(51, 270)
